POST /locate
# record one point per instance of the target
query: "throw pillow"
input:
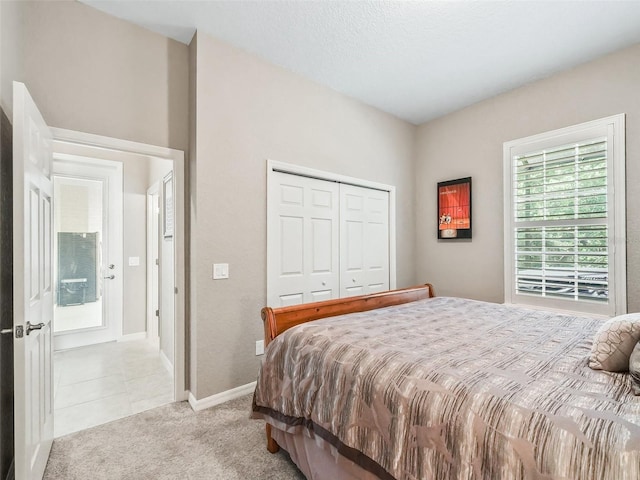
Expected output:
(614, 342)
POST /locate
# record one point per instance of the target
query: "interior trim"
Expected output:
(221, 397)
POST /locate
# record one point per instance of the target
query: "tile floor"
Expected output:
(100, 383)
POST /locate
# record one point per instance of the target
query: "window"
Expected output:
(565, 218)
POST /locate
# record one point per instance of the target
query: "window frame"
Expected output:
(613, 128)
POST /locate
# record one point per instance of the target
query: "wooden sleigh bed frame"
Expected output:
(278, 320)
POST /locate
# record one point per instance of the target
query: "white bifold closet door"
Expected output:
(303, 241)
(364, 240)
(325, 240)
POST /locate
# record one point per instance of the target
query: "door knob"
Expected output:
(111, 266)
(37, 326)
(110, 277)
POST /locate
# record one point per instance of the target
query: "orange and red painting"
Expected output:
(454, 208)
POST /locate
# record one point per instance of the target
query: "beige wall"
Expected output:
(469, 142)
(249, 111)
(91, 72)
(134, 300)
(11, 51)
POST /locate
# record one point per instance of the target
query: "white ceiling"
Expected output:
(417, 60)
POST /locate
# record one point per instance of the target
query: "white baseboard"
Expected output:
(133, 336)
(221, 397)
(167, 363)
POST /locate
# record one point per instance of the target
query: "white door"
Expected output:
(364, 240)
(303, 228)
(33, 292)
(88, 250)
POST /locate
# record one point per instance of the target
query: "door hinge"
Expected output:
(157, 262)
(157, 313)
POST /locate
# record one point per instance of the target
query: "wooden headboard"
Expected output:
(277, 320)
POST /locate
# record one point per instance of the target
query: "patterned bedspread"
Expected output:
(448, 388)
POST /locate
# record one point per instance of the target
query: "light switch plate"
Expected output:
(260, 347)
(134, 261)
(220, 271)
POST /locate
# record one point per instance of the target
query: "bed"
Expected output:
(405, 385)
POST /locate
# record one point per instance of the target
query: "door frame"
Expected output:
(275, 166)
(111, 175)
(153, 237)
(117, 149)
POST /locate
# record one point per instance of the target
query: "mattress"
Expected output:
(449, 388)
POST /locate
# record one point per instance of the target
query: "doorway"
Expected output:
(33, 282)
(127, 374)
(87, 246)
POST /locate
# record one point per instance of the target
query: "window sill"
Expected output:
(574, 313)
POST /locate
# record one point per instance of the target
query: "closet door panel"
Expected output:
(364, 240)
(303, 248)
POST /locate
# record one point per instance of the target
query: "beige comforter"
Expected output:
(449, 388)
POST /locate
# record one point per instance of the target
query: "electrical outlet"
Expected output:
(260, 347)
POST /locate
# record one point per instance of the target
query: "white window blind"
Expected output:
(561, 239)
(561, 226)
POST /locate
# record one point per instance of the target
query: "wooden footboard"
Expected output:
(278, 320)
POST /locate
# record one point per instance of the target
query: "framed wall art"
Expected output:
(454, 209)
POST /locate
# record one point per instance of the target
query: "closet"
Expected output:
(325, 239)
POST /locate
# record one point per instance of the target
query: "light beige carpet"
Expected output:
(173, 442)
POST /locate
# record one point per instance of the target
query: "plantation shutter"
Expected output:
(561, 223)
